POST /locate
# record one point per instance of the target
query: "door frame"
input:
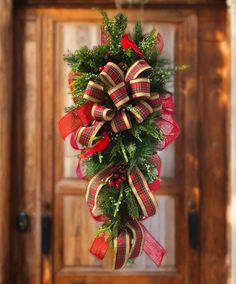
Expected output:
(210, 263)
(5, 135)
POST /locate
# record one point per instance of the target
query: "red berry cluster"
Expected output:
(118, 178)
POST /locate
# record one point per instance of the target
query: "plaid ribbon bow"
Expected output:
(121, 88)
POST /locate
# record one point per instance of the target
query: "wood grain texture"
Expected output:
(5, 134)
(232, 143)
(26, 168)
(213, 91)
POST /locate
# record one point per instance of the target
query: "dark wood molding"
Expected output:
(111, 3)
(5, 115)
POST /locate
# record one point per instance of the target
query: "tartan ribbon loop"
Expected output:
(94, 92)
(86, 135)
(94, 187)
(121, 122)
(141, 111)
(99, 112)
(139, 67)
(140, 88)
(142, 193)
(119, 95)
(111, 75)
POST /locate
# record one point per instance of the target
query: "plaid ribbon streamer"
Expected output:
(142, 192)
(137, 239)
(85, 135)
(121, 249)
(142, 240)
(100, 112)
(141, 111)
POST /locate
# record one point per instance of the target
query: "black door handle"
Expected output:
(45, 233)
(22, 222)
(193, 229)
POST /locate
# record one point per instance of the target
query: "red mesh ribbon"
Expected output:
(160, 43)
(142, 192)
(99, 247)
(167, 122)
(155, 160)
(75, 118)
(152, 248)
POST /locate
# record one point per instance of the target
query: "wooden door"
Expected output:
(45, 173)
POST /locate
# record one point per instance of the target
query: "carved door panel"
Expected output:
(74, 228)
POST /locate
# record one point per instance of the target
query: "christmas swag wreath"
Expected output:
(121, 116)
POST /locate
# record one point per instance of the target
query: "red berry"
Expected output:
(119, 180)
(111, 183)
(116, 176)
(123, 178)
(117, 185)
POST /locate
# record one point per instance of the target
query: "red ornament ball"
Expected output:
(111, 183)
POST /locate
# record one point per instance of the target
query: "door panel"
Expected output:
(74, 228)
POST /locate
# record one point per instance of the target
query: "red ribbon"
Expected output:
(75, 118)
(99, 247)
(152, 248)
(160, 43)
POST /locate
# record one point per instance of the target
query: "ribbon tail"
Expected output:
(99, 247)
(152, 248)
(75, 118)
